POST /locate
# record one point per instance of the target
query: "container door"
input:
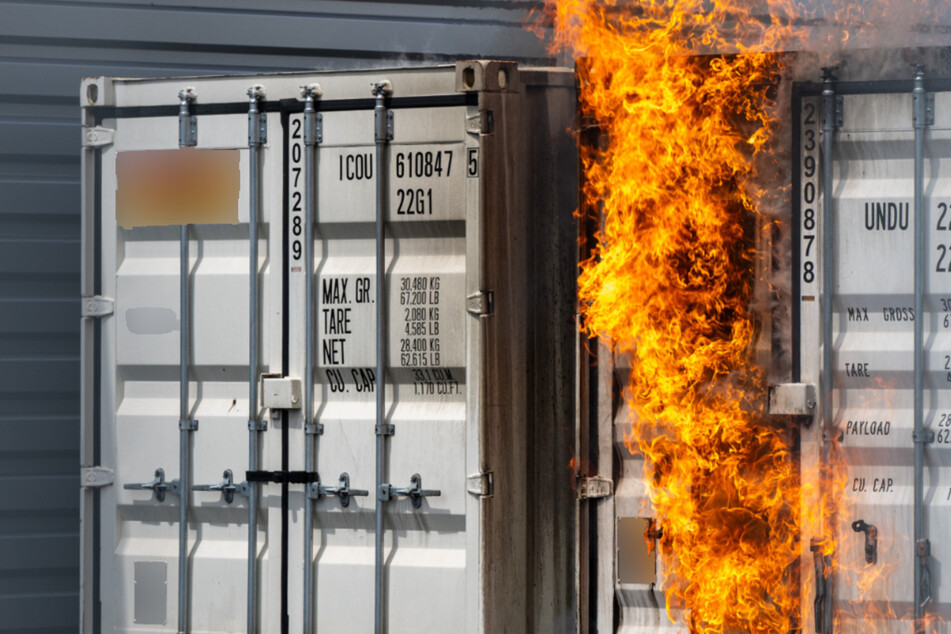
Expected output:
(858, 459)
(429, 576)
(133, 539)
(431, 488)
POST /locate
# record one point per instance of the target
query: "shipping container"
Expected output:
(273, 440)
(858, 359)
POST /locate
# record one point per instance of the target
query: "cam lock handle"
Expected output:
(415, 492)
(871, 539)
(226, 486)
(158, 485)
(342, 490)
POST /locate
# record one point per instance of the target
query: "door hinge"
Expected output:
(480, 484)
(97, 306)
(480, 303)
(96, 477)
(98, 136)
(594, 488)
(481, 122)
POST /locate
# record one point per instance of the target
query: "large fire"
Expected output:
(671, 284)
(684, 93)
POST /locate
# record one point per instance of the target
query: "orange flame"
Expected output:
(671, 284)
(672, 279)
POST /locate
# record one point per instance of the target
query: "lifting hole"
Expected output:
(468, 77)
(92, 93)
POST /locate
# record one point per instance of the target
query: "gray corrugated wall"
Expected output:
(46, 47)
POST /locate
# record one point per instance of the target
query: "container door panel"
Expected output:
(426, 376)
(140, 393)
(872, 392)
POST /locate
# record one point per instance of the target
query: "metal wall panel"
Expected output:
(45, 50)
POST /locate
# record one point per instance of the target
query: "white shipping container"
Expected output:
(470, 172)
(855, 223)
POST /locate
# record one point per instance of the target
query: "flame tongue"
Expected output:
(670, 284)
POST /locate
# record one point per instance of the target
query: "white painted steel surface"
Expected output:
(459, 223)
(873, 306)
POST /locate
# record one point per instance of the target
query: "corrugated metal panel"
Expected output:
(870, 391)
(46, 47)
(468, 393)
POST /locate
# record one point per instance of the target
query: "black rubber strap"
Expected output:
(291, 477)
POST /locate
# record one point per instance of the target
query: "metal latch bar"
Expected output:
(96, 477)
(97, 306)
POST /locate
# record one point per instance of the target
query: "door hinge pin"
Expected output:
(480, 484)
(97, 136)
(594, 488)
(96, 477)
(97, 306)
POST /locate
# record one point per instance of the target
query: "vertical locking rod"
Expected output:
(828, 384)
(310, 94)
(186, 138)
(919, 98)
(256, 138)
(185, 430)
(380, 90)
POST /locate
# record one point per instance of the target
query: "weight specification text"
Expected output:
(420, 341)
